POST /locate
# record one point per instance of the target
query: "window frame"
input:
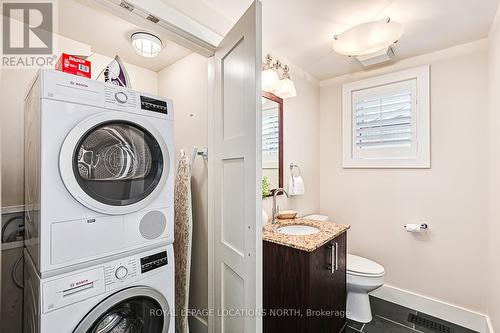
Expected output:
(421, 159)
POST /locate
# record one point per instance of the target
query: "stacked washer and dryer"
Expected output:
(99, 208)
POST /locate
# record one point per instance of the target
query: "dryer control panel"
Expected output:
(119, 97)
(154, 104)
(76, 89)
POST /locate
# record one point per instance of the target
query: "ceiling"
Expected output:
(299, 30)
(302, 30)
(110, 35)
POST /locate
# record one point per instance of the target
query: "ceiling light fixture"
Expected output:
(146, 44)
(270, 76)
(367, 38)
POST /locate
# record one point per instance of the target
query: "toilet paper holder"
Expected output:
(423, 226)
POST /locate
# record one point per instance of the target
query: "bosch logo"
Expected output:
(79, 84)
(82, 282)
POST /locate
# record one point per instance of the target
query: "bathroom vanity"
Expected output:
(304, 276)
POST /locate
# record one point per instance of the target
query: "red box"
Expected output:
(75, 65)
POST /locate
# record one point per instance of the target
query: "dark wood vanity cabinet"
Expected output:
(302, 293)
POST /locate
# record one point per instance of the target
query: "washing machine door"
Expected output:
(114, 163)
(132, 310)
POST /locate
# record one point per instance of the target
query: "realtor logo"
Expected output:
(27, 28)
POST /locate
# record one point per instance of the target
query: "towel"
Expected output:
(183, 235)
(296, 186)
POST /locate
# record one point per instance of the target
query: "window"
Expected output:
(386, 121)
(270, 138)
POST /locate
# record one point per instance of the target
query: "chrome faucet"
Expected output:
(276, 208)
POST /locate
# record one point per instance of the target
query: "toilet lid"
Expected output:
(363, 266)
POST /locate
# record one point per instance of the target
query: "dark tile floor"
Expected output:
(392, 318)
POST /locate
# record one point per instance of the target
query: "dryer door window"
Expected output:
(118, 163)
(134, 310)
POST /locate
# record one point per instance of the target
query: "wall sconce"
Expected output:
(270, 76)
(282, 86)
(285, 87)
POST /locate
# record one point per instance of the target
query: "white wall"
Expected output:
(301, 141)
(186, 83)
(494, 228)
(13, 84)
(449, 264)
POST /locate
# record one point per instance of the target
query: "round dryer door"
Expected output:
(113, 163)
(133, 310)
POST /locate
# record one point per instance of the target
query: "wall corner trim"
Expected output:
(489, 328)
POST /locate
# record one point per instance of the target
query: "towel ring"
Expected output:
(294, 166)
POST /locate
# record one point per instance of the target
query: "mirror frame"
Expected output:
(279, 101)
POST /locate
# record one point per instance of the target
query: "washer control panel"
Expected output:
(154, 261)
(120, 271)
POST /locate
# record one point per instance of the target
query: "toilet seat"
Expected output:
(359, 266)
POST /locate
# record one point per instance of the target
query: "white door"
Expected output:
(235, 187)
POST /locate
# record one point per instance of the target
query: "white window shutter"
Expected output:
(386, 121)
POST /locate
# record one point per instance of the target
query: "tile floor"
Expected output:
(392, 318)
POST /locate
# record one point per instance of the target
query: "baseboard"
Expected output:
(197, 325)
(470, 319)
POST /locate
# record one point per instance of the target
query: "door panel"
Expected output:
(235, 147)
(233, 218)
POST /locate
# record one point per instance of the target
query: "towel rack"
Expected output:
(197, 151)
(294, 166)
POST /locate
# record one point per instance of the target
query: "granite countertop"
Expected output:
(328, 231)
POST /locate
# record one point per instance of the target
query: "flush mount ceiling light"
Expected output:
(367, 38)
(146, 44)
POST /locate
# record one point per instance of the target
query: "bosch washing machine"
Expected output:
(131, 294)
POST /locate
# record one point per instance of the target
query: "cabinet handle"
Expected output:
(333, 259)
(336, 247)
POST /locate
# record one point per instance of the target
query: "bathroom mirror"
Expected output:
(272, 142)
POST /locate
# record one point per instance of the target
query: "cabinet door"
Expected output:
(328, 287)
(339, 283)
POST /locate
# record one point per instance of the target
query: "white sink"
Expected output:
(298, 230)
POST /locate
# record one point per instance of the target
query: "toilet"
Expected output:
(363, 276)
